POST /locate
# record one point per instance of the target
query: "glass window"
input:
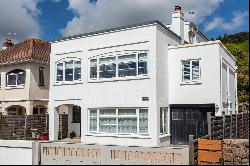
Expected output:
(119, 121)
(127, 65)
(143, 121)
(93, 68)
(59, 76)
(69, 71)
(107, 67)
(190, 70)
(76, 114)
(16, 77)
(41, 76)
(35, 111)
(42, 111)
(77, 72)
(164, 120)
(142, 64)
(93, 120)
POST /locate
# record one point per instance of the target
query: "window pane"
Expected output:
(35, 111)
(107, 125)
(107, 112)
(107, 67)
(186, 70)
(21, 78)
(127, 112)
(93, 112)
(143, 121)
(12, 79)
(127, 125)
(93, 68)
(93, 120)
(78, 71)
(41, 76)
(142, 65)
(59, 76)
(69, 71)
(76, 114)
(196, 71)
(127, 65)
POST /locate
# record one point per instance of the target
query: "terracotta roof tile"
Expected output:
(29, 50)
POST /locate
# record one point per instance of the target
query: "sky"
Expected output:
(55, 19)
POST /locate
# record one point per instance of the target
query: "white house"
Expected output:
(140, 85)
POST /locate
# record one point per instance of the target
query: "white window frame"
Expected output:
(63, 61)
(16, 74)
(117, 55)
(163, 111)
(116, 116)
(191, 70)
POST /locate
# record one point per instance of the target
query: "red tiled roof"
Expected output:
(29, 50)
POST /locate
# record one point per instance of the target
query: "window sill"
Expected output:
(68, 83)
(119, 135)
(15, 87)
(165, 135)
(118, 79)
(191, 83)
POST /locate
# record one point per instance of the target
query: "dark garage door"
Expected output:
(189, 120)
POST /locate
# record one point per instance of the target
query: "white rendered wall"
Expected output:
(207, 91)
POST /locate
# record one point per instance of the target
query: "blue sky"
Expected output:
(53, 19)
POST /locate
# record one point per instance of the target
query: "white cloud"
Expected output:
(220, 23)
(110, 13)
(19, 16)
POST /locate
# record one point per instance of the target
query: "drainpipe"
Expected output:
(236, 90)
(228, 91)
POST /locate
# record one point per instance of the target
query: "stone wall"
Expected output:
(236, 151)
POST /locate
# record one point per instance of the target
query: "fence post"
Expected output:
(242, 124)
(231, 124)
(191, 150)
(209, 125)
(223, 124)
(25, 126)
(236, 124)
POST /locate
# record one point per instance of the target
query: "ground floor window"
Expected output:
(76, 114)
(39, 110)
(119, 121)
(164, 119)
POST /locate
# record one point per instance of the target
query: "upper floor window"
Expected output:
(41, 76)
(119, 66)
(16, 77)
(191, 70)
(68, 71)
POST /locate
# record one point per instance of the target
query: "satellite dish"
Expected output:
(191, 34)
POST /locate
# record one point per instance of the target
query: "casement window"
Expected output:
(119, 121)
(164, 121)
(119, 66)
(76, 114)
(191, 70)
(68, 71)
(16, 77)
(107, 67)
(41, 76)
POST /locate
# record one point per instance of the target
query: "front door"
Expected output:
(189, 120)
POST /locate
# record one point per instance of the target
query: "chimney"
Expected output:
(178, 22)
(7, 43)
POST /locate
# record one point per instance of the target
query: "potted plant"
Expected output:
(72, 135)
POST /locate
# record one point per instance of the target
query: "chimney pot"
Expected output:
(7, 43)
(177, 8)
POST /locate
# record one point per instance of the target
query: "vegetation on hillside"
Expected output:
(238, 45)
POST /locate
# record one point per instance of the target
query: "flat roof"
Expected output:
(154, 22)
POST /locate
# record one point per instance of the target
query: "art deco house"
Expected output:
(147, 84)
(24, 77)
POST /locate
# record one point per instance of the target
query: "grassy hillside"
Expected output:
(238, 45)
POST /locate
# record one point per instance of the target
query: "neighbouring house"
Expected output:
(24, 77)
(147, 84)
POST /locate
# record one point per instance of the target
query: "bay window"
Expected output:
(68, 71)
(119, 121)
(191, 70)
(16, 77)
(119, 66)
